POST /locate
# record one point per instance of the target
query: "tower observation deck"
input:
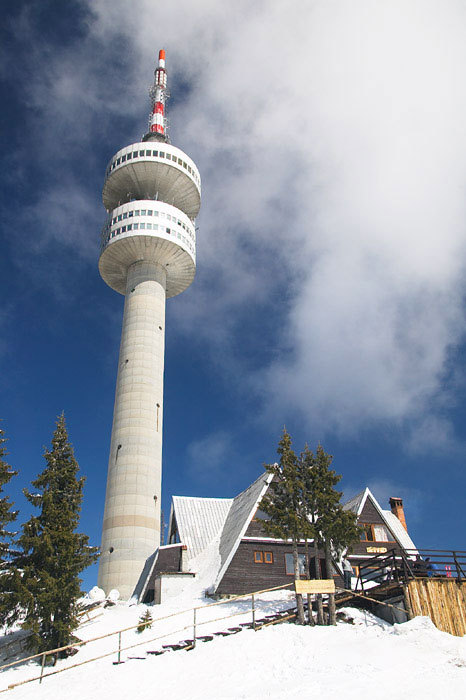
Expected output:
(152, 194)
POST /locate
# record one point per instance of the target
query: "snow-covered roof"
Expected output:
(199, 520)
(398, 530)
(240, 515)
(143, 581)
(354, 503)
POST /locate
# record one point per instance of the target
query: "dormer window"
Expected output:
(375, 533)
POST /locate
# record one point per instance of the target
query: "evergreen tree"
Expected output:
(45, 582)
(145, 622)
(334, 528)
(282, 504)
(7, 515)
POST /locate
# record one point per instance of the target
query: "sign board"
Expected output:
(315, 585)
(376, 550)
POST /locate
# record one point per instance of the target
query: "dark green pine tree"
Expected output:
(52, 554)
(334, 528)
(7, 514)
(282, 504)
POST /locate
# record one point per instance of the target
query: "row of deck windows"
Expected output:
(147, 227)
(149, 212)
(157, 154)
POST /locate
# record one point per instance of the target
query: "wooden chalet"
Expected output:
(222, 542)
(384, 530)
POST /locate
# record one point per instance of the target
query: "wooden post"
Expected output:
(253, 608)
(194, 627)
(407, 601)
(119, 647)
(42, 668)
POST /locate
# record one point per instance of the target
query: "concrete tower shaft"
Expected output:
(148, 253)
(131, 527)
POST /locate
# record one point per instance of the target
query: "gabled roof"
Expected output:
(398, 530)
(143, 581)
(357, 503)
(240, 515)
(354, 503)
(199, 520)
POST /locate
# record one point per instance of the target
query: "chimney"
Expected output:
(396, 504)
(184, 558)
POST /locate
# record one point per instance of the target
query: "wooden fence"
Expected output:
(194, 625)
(443, 600)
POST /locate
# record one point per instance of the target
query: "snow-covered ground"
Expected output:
(367, 659)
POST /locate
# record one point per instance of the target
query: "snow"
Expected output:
(96, 594)
(362, 658)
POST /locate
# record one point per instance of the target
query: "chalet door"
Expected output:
(312, 568)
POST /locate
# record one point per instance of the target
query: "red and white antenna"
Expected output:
(158, 93)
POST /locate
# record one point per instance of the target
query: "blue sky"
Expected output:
(329, 294)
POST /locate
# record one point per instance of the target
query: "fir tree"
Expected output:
(7, 515)
(144, 622)
(45, 583)
(334, 528)
(282, 504)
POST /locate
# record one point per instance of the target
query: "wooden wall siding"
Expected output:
(244, 576)
(168, 560)
(370, 514)
(444, 601)
(255, 529)
(360, 548)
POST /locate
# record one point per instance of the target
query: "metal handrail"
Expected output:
(409, 564)
(451, 560)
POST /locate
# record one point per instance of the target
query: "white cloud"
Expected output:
(330, 136)
(209, 455)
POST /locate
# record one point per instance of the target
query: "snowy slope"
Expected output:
(369, 659)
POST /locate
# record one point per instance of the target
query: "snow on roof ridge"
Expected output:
(199, 520)
(202, 498)
(240, 515)
(398, 530)
(355, 502)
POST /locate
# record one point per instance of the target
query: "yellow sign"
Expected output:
(315, 585)
(376, 550)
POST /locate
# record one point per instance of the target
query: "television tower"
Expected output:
(152, 193)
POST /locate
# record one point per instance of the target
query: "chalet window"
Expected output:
(382, 534)
(289, 564)
(375, 533)
(367, 534)
(263, 558)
